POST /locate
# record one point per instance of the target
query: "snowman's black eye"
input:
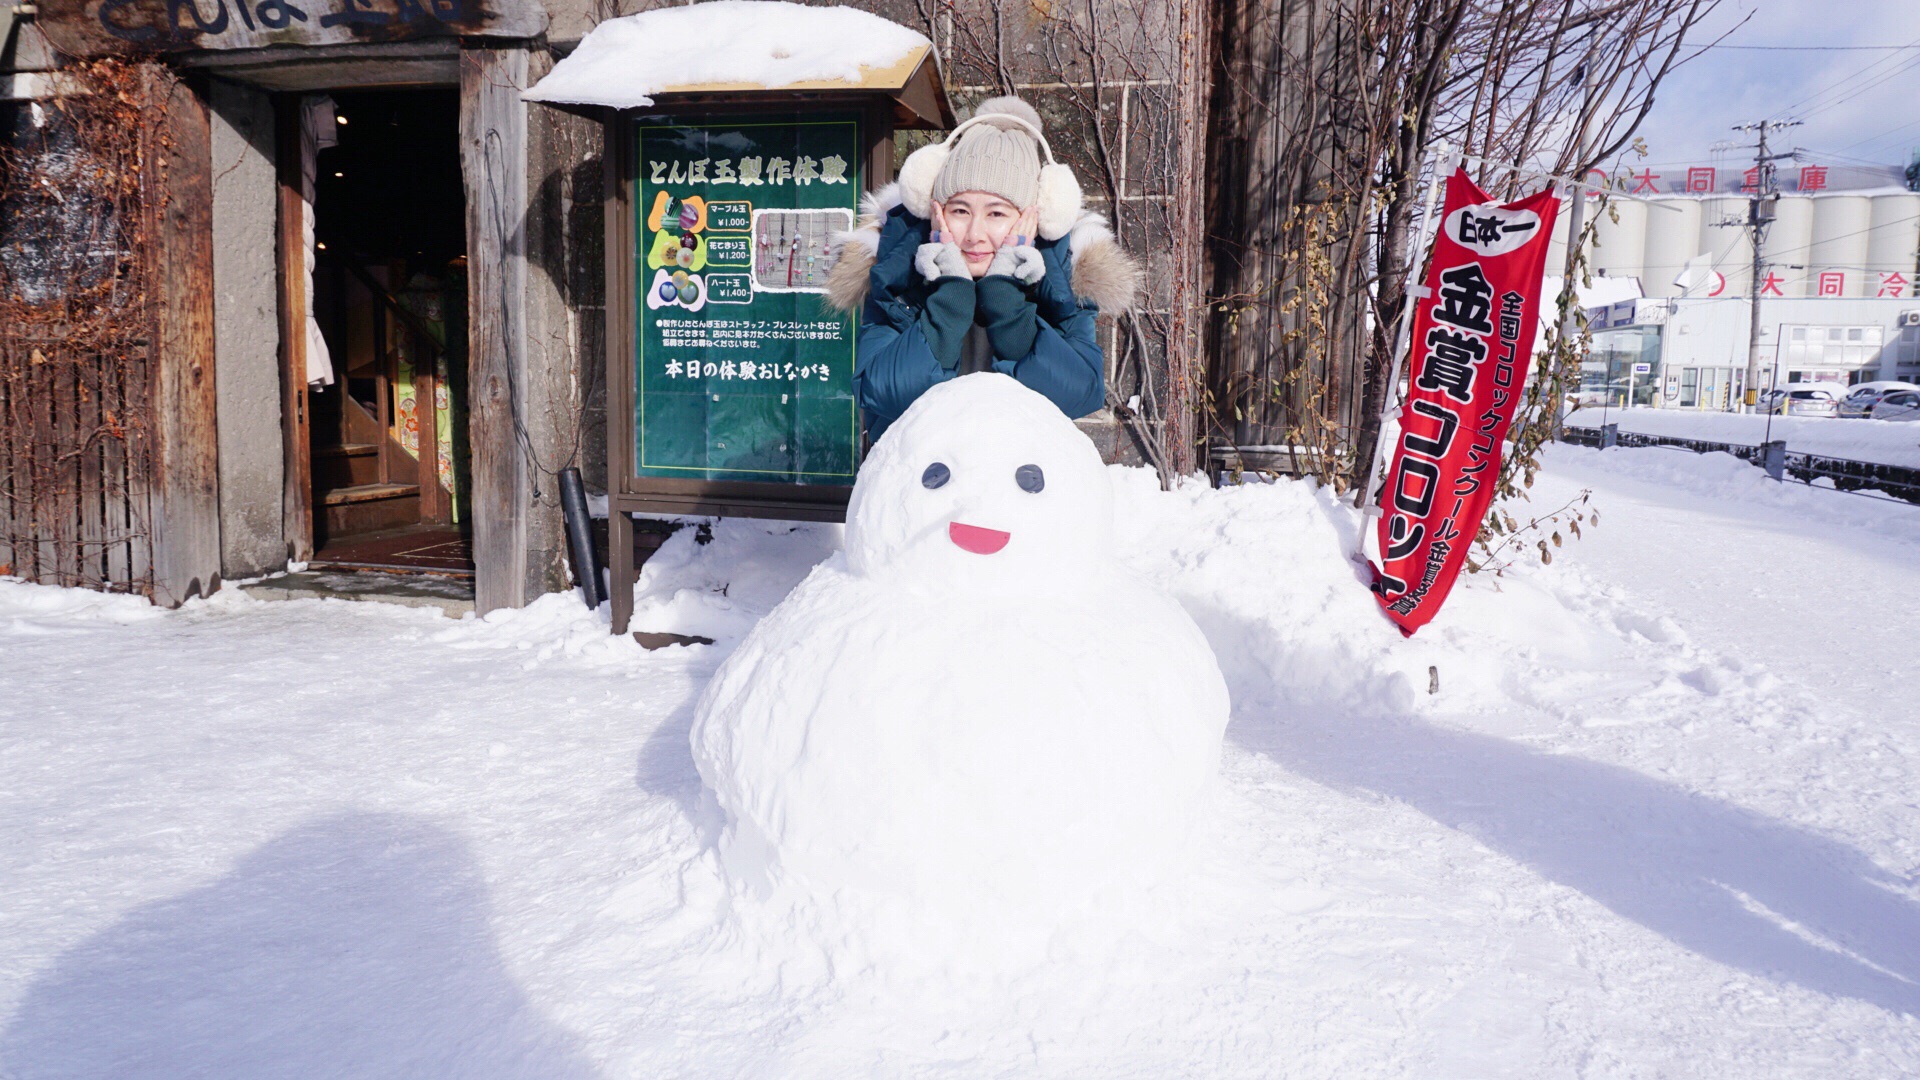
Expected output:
(1030, 478)
(936, 475)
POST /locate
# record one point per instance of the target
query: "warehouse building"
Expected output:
(1838, 273)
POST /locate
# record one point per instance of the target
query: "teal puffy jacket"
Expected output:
(912, 330)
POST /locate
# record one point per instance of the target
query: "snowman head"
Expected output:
(982, 482)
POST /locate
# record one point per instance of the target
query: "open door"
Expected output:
(386, 436)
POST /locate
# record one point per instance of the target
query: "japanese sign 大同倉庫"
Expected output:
(741, 372)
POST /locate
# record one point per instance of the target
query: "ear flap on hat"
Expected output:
(917, 175)
(1059, 204)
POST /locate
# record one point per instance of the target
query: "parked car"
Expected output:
(1899, 405)
(1860, 400)
(1800, 399)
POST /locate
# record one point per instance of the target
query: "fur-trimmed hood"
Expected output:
(1101, 274)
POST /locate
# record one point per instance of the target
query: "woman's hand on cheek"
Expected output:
(939, 224)
(1025, 229)
(1017, 257)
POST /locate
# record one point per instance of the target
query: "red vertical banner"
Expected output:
(1472, 345)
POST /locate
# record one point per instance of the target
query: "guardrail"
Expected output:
(1899, 481)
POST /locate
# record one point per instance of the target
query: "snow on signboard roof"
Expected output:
(731, 45)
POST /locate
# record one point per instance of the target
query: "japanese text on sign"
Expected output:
(103, 27)
(1472, 344)
(751, 172)
(744, 374)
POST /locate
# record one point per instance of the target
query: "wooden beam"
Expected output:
(88, 28)
(615, 153)
(186, 468)
(296, 503)
(493, 162)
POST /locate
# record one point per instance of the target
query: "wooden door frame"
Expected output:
(290, 256)
(493, 161)
(185, 496)
(297, 515)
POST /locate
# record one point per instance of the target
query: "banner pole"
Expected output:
(1412, 290)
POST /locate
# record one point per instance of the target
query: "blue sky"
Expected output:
(1859, 105)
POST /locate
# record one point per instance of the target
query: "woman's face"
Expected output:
(977, 223)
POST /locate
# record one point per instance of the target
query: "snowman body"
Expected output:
(974, 705)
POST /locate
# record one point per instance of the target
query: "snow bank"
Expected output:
(1887, 442)
(622, 62)
(718, 582)
(1603, 290)
(30, 608)
(1729, 480)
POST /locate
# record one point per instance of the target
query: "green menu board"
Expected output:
(741, 372)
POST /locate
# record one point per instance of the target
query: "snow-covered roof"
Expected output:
(732, 45)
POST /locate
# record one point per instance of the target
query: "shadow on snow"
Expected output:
(356, 945)
(1732, 885)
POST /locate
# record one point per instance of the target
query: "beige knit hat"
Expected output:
(998, 161)
(1052, 191)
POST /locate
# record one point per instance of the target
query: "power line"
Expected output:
(1877, 136)
(1870, 71)
(1856, 92)
(1811, 48)
(1814, 156)
(1861, 73)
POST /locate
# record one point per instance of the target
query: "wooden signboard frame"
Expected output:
(906, 95)
(628, 493)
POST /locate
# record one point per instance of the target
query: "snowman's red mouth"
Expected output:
(976, 539)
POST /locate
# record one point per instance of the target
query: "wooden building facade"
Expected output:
(361, 282)
(363, 294)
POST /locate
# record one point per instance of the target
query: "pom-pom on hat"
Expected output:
(999, 151)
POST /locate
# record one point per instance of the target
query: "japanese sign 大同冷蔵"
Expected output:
(741, 372)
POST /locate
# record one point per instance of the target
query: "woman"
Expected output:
(980, 259)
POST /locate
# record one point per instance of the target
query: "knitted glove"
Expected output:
(1020, 262)
(935, 261)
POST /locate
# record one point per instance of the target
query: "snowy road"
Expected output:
(1661, 819)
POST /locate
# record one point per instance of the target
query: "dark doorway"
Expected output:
(389, 436)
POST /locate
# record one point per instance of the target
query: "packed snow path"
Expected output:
(1661, 819)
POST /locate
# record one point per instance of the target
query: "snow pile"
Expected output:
(716, 579)
(1599, 291)
(622, 62)
(975, 709)
(1807, 508)
(1887, 442)
(32, 609)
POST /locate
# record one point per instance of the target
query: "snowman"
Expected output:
(974, 706)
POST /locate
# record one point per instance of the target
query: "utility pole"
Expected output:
(1760, 214)
(1569, 292)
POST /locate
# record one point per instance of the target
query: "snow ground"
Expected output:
(1888, 442)
(1661, 819)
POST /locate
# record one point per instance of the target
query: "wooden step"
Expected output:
(348, 450)
(364, 493)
